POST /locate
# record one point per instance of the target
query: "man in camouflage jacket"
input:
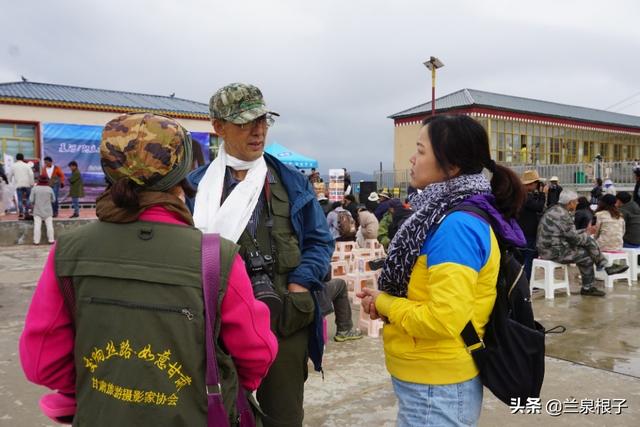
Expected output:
(559, 241)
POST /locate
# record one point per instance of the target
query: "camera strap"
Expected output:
(269, 222)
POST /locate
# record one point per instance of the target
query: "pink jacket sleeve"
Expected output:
(245, 329)
(46, 344)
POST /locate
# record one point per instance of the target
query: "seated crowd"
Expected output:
(568, 229)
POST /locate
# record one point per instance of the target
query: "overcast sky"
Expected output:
(333, 69)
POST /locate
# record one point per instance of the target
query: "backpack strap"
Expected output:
(216, 414)
(472, 341)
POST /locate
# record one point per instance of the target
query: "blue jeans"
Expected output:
(421, 405)
(75, 204)
(23, 207)
(55, 205)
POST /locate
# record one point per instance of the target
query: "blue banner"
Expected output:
(201, 141)
(66, 142)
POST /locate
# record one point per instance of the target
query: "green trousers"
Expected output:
(281, 393)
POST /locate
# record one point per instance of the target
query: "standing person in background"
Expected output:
(3, 176)
(368, 226)
(347, 182)
(631, 213)
(332, 218)
(349, 203)
(23, 179)
(610, 227)
(553, 190)
(56, 180)
(42, 199)
(583, 217)
(529, 217)
(383, 206)
(636, 188)
(608, 187)
(435, 284)
(399, 214)
(77, 188)
(372, 202)
(524, 157)
(596, 191)
(383, 229)
(4, 189)
(314, 177)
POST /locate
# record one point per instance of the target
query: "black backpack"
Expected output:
(510, 358)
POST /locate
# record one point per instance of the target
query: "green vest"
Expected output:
(139, 318)
(297, 308)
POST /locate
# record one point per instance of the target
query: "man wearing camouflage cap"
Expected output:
(271, 211)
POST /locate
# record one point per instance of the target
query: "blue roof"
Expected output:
(467, 98)
(287, 156)
(99, 98)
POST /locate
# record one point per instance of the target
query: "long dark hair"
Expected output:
(583, 203)
(459, 140)
(608, 203)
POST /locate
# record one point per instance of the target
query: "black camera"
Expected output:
(260, 270)
(377, 263)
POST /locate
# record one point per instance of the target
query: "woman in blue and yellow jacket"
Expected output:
(434, 283)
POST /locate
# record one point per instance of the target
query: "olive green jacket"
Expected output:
(77, 187)
(383, 230)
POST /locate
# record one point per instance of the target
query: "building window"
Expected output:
(617, 153)
(571, 152)
(537, 150)
(555, 150)
(631, 153)
(588, 153)
(605, 150)
(18, 138)
(500, 149)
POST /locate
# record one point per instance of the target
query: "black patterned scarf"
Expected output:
(429, 206)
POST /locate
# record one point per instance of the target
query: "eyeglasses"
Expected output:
(266, 120)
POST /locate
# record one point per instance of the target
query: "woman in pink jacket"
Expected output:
(145, 157)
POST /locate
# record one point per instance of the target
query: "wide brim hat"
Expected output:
(238, 103)
(384, 194)
(373, 197)
(554, 178)
(530, 176)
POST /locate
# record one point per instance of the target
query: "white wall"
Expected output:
(80, 117)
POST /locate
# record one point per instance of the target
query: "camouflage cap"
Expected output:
(151, 150)
(238, 103)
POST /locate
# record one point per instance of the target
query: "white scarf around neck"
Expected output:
(230, 219)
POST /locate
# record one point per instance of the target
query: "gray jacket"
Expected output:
(41, 199)
(631, 213)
